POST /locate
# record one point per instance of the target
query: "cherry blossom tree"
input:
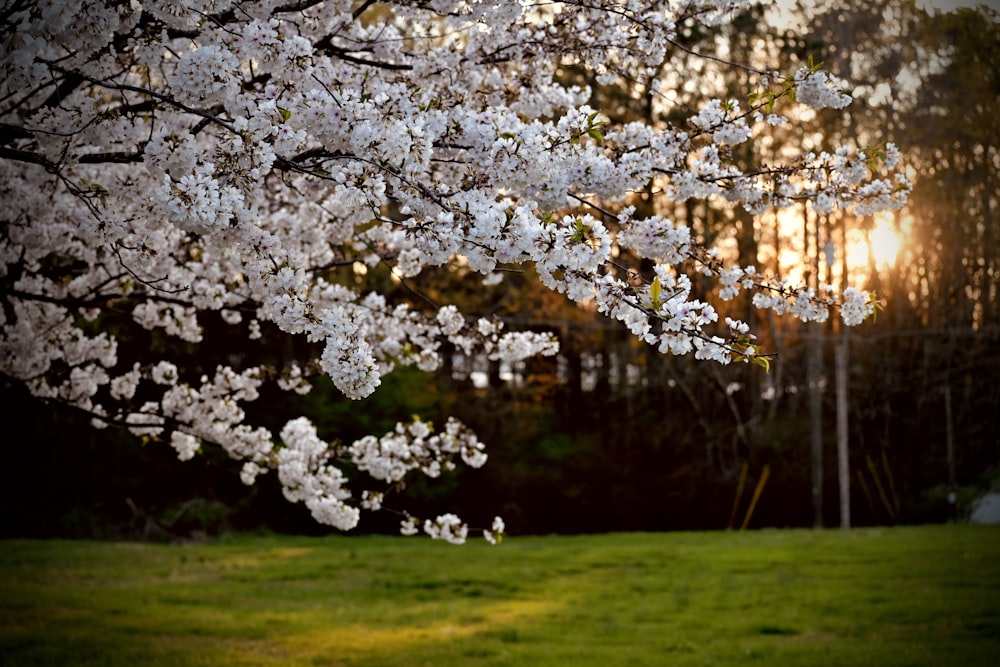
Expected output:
(167, 163)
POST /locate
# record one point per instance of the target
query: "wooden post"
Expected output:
(881, 489)
(868, 496)
(739, 494)
(764, 474)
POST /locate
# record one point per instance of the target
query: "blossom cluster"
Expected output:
(416, 446)
(166, 165)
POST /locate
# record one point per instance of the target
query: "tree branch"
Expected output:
(325, 45)
(120, 157)
(28, 156)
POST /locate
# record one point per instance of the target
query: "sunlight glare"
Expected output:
(886, 243)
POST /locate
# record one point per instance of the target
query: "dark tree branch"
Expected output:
(302, 5)
(28, 156)
(166, 99)
(326, 45)
(361, 9)
(65, 88)
(120, 157)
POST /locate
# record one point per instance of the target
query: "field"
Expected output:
(899, 596)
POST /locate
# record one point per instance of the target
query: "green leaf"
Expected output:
(93, 187)
(655, 291)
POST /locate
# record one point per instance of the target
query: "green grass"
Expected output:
(900, 596)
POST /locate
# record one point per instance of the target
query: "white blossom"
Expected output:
(820, 89)
(185, 444)
(447, 527)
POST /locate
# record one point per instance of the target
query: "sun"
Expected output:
(881, 245)
(886, 243)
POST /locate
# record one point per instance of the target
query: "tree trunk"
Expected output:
(843, 461)
(814, 373)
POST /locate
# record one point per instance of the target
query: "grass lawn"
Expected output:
(880, 597)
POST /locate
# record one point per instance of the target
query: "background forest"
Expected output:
(610, 435)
